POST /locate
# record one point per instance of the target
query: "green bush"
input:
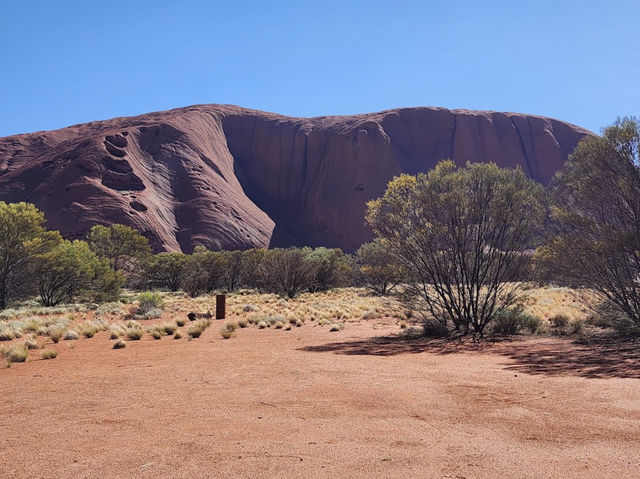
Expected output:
(430, 329)
(560, 320)
(514, 321)
(148, 302)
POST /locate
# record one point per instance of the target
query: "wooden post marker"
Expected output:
(220, 305)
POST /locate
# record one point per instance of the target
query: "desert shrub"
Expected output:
(462, 235)
(287, 327)
(122, 246)
(403, 324)
(514, 321)
(560, 320)
(231, 326)
(165, 270)
(334, 327)
(70, 270)
(289, 270)
(243, 323)
(279, 325)
(156, 334)
(248, 308)
(16, 353)
(49, 353)
(376, 268)
(178, 335)
(202, 272)
(119, 344)
(180, 322)
(577, 326)
(330, 268)
(597, 217)
(262, 324)
(431, 329)
(149, 302)
(413, 332)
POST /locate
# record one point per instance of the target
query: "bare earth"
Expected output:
(312, 403)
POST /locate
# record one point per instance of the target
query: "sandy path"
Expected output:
(310, 403)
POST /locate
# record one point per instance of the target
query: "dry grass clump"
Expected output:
(134, 333)
(49, 354)
(88, 330)
(56, 333)
(156, 333)
(279, 325)
(116, 331)
(169, 328)
(403, 324)
(15, 353)
(227, 334)
(336, 327)
(31, 343)
(288, 327)
(370, 315)
(263, 325)
(560, 320)
(198, 327)
(243, 323)
(6, 334)
(180, 322)
(178, 335)
(70, 335)
(119, 344)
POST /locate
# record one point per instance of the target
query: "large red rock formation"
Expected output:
(227, 177)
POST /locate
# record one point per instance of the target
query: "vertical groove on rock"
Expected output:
(523, 148)
(453, 138)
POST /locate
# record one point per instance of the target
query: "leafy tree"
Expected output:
(202, 272)
(72, 269)
(123, 246)
(165, 270)
(233, 268)
(377, 269)
(254, 268)
(462, 234)
(330, 268)
(22, 234)
(289, 270)
(596, 212)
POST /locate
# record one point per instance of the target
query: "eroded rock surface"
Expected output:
(228, 177)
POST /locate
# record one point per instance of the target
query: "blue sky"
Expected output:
(66, 62)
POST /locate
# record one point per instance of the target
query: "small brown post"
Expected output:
(220, 305)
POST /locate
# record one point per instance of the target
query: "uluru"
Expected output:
(233, 178)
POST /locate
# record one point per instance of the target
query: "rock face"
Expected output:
(227, 177)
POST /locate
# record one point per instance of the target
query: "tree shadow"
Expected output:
(604, 359)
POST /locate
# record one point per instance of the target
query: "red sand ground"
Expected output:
(310, 403)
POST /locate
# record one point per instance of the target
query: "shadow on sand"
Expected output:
(605, 359)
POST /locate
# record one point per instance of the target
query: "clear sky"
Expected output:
(66, 62)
